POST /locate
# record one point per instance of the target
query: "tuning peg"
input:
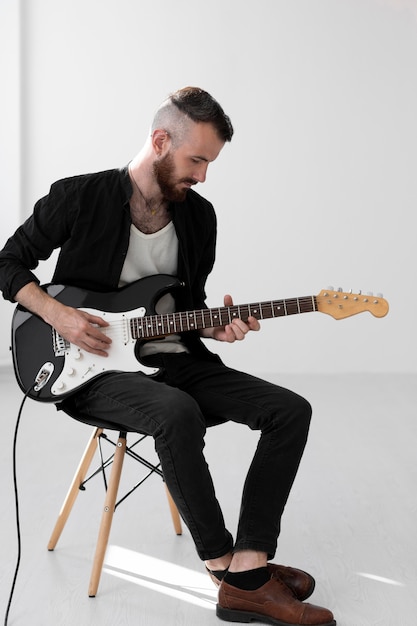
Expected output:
(379, 295)
(370, 293)
(330, 288)
(339, 289)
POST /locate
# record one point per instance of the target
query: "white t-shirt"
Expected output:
(147, 255)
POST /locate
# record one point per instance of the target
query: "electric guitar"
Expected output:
(50, 368)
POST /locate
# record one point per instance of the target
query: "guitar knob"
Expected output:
(77, 355)
(70, 371)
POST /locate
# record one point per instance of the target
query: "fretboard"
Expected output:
(167, 324)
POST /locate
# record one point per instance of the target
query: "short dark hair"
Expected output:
(200, 106)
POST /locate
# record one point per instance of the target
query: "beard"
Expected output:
(164, 172)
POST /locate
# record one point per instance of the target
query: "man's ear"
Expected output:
(161, 141)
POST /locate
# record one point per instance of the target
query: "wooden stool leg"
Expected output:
(174, 513)
(107, 517)
(75, 487)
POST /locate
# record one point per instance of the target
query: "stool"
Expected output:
(116, 460)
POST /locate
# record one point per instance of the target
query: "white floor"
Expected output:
(351, 520)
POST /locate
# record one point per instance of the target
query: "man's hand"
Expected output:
(236, 331)
(81, 328)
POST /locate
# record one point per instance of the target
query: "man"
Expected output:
(114, 228)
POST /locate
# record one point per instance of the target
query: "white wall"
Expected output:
(319, 184)
(9, 142)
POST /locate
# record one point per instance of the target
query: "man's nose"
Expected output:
(201, 173)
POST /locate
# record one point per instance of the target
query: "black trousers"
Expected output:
(176, 409)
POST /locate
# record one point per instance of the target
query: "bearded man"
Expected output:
(114, 228)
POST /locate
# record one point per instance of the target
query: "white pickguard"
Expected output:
(81, 366)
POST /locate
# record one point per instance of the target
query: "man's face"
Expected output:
(181, 168)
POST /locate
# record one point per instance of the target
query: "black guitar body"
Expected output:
(32, 341)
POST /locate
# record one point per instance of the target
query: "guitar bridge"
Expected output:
(60, 344)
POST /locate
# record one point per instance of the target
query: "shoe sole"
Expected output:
(230, 615)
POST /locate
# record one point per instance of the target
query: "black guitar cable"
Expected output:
(19, 543)
(41, 380)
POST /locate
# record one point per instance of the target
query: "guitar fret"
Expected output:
(292, 307)
(149, 326)
(190, 323)
(205, 318)
(158, 325)
(266, 309)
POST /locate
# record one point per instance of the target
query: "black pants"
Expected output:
(177, 408)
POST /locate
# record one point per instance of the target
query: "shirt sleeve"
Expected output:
(46, 229)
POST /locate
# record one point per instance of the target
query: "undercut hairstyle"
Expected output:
(191, 104)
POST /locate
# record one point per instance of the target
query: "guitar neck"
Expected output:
(166, 324)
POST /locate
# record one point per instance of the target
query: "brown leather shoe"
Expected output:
(301, 583)
(273, 603)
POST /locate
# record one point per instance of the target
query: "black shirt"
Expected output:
(88, 218)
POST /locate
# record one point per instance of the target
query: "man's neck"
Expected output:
(149, 213)
(143, 181)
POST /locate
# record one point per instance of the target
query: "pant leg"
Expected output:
(173, 418)
(283, 417)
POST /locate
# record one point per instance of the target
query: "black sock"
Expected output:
(218, 573)
(249, 580)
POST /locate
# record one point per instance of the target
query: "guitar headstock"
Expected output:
(340, 304)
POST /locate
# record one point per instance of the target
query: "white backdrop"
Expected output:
(319, 184)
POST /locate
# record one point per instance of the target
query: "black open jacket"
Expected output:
(88, 218)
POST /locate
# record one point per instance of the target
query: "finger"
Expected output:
(94, 319)
(97, 335)
(230, 333)
(253, 323)
(94, 342)
(228, 300)
(239, 328)
(93, 350)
